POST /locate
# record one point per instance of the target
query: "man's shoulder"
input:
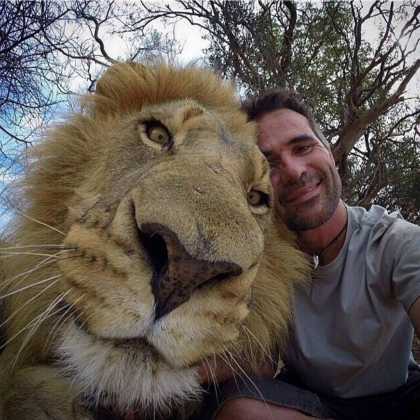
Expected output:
(381, 223)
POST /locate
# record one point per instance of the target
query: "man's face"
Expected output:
(305, 181)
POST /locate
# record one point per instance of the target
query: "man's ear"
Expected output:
(330, 153)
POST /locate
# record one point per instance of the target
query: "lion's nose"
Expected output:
(176, 274)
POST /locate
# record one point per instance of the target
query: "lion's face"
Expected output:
(166, 206)
(169, 242)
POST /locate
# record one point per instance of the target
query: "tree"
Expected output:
(356, 85)
(45, 46)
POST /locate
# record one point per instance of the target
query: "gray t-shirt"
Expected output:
(351, 334)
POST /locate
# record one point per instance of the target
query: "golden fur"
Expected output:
(145, 245)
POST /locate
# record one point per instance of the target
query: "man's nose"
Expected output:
(290, 170)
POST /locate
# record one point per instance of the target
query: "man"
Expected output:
(349, 355)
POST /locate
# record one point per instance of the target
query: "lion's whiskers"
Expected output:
(51, 259)
(35, 250)
(224, 357)
(31, 299)
(68, 314)
(28, 325)
(213, 377)
(47, 246)
(241, 371)
(33, 219)
(249, 343)
(257, 341)
(44, 315)
(29, 286)
(6, 254)
(245, 375)
(24, 275)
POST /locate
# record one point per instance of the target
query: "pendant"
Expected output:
(315, 261)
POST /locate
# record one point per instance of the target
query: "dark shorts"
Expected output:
(285, 391)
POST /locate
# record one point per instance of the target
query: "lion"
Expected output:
(147, 244)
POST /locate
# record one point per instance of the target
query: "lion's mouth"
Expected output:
(127, 343)
(117, 375)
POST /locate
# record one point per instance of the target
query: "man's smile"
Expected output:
(302, 194)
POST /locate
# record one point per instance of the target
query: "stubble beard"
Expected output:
(311, 215)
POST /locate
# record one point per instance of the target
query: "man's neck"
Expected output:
(316, 241)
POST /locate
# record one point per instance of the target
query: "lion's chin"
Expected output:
(124, 374)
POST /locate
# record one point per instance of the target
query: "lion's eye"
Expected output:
(158, 133)
(258, 198)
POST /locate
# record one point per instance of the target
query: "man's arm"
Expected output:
(414, 314)
(404, 252)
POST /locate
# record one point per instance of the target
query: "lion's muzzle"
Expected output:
(176, 273)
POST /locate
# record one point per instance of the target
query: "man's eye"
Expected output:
(301, 150)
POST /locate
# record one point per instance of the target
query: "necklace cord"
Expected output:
(318, 254)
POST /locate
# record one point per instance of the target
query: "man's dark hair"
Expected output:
(275, 99)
